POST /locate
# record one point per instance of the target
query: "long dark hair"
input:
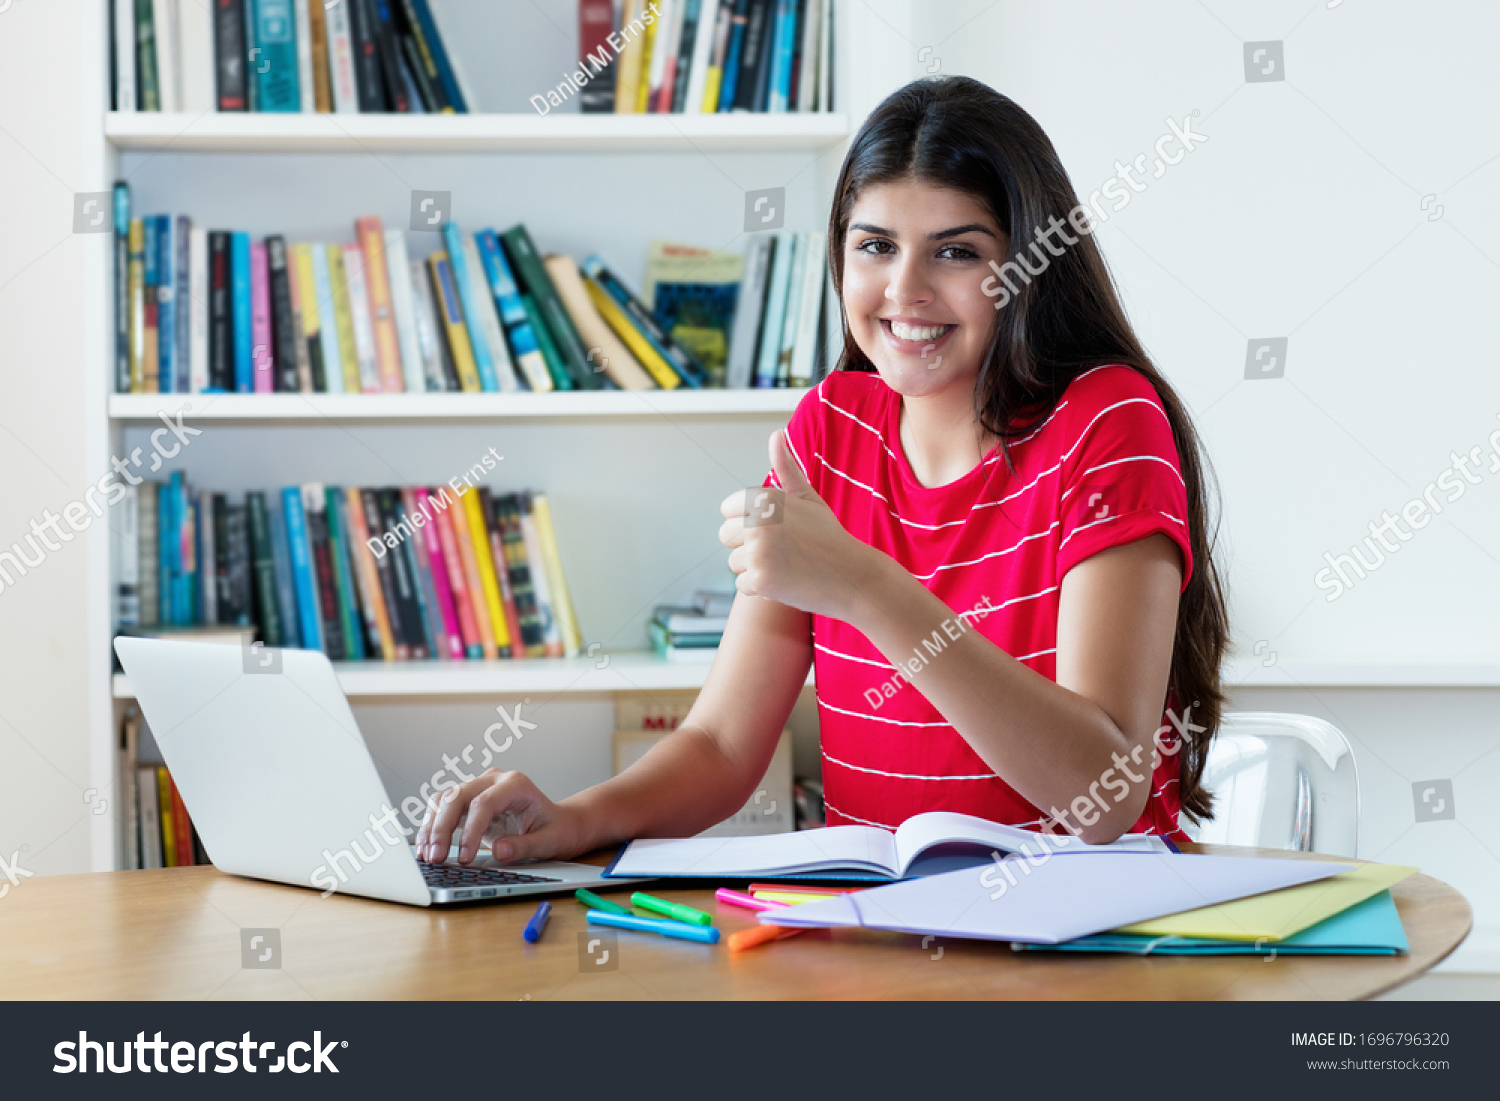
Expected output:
(958, 133)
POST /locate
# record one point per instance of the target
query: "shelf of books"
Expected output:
(316, 409)
(223, 132)
(627, 671)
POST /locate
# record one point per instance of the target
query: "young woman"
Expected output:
(992, 541)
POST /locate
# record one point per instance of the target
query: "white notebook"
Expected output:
(925, 844)
(1054, 900)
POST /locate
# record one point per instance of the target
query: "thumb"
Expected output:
(542, 843)
(784, 463)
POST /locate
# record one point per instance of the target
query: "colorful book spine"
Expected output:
(526, 263)
(241, 324)
(508, 515)
(365, 350)
(181, 300)
(220, 315)
(518, 330)
(502, 572)
(264, 566)
(136, 293)
(450, 314)
(262, 351)
(182, 826)
(415, 549)
(489, 320)
(412, 627)
(165, 814)
(641, 318)
(470, 303)
(286, 315)
(468, 627)
(382, 310)
(474, 583)
(340, 550)
(286, 588)
(343, 321)
(276, 82)
(374, 521)
(572, 636)
(197, 306)
(447, 78)
(303, 579)
(152, 259)
(437, 563)
(166, 313)
(545, 599)
(310, 289)
(330, 615)
(403, 305)
(429, 339)
(377, 622)
(656, 366)
(551, 357)
(489, 583)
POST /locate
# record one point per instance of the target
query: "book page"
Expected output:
(860, 849)
(949, 836)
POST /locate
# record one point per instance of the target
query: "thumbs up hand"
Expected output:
(793, 549)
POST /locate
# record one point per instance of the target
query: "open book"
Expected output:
(925, 844)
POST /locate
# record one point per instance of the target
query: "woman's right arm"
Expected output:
(698, 775)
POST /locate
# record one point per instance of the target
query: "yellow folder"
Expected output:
(1277, 914)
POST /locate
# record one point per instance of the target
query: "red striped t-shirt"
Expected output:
(1100, 472)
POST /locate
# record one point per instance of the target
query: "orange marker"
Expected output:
(760, 934)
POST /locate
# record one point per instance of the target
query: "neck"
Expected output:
(942, 438)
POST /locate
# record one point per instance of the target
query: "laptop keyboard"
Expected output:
(456, 875)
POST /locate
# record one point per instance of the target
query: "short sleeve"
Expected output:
(1122, 480)
(802, 434)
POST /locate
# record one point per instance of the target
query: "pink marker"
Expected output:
(746, 902)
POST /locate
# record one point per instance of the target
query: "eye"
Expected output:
(876, 246)
(957, 252)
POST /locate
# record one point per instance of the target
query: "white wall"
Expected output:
(51, 685)
(1302, 217)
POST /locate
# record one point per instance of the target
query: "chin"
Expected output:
(914, 380)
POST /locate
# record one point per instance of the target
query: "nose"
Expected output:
(909, 285)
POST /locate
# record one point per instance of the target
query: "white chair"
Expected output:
(1280, 781)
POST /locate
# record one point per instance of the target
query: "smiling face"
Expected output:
(915, 258)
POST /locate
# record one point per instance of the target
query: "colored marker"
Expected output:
(594, 902)
(674, 910)
(760, 934)
(533, 931)
(676, 929)
(746, 902)
(790, 899)
(803, 888)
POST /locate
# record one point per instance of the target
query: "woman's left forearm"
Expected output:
(1047, 742)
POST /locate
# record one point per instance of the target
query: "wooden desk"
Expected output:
(175, 934)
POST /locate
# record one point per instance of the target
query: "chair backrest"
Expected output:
(1280, 781)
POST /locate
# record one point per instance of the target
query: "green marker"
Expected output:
(674, 910)
(594, 902)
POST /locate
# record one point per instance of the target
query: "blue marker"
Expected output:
(704, 935)
(538, 922)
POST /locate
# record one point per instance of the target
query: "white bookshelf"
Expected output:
(635, 477)
(457, 134)
(628, 671)
(306, 409)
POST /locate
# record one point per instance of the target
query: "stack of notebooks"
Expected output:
(382, 574)
(701, 57)
(283, 56)
(217, 311)
(954, 875)
(689, 634)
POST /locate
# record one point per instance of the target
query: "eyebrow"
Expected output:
(941, 235)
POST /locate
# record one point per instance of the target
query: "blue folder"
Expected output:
(1368, 928)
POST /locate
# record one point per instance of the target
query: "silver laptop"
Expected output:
(278, 780)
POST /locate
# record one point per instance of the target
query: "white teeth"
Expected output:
(918, 332)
